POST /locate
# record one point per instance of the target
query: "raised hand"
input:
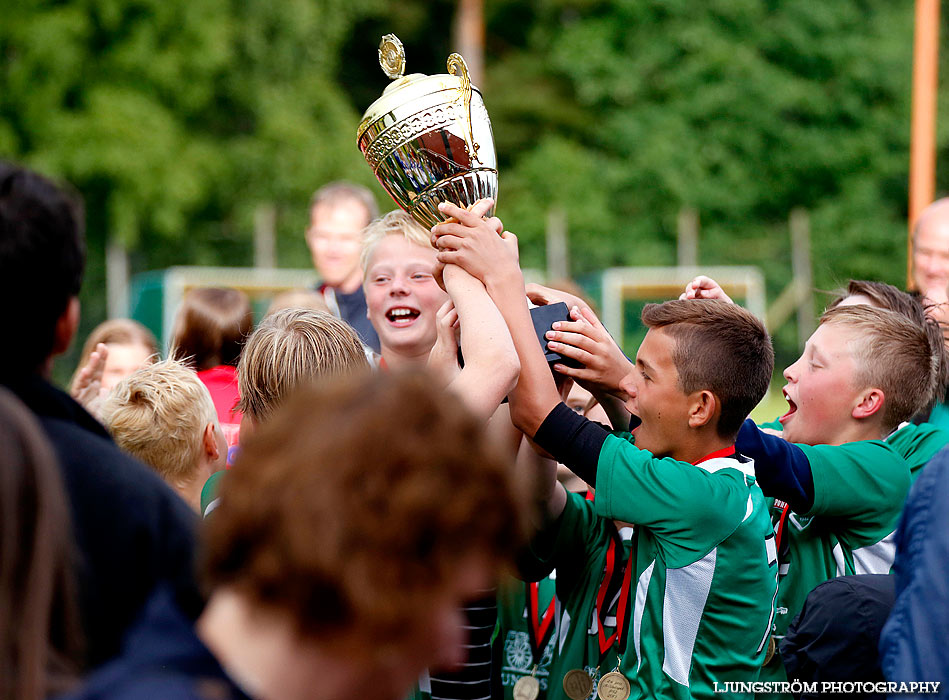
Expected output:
(479, 208)
(587, 341)
(480, 246)
(86, 389)
(703, 287)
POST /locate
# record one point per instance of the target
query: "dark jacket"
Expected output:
(914, 645)
(352, 309)
(835, 636)
(163, 659)
(130, 528)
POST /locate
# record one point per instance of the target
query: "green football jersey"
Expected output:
(577, 545)
(704, 569)
(518, 654)
(859, 490)
(917, 444)
(939, 416)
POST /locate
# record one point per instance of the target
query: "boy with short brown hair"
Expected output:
(702, 544)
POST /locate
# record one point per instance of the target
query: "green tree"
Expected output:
(176, 118)
(627, 111)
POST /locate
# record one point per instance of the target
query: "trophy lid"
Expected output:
(407, 88)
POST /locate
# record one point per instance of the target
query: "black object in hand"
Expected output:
(544, 318)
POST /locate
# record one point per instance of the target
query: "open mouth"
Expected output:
(792, 408)
(401, 316)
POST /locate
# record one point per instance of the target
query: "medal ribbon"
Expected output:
(607, 642)
(780, 530)
(539, 631)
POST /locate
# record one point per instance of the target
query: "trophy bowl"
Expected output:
(428, 138)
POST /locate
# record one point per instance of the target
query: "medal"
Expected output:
(771, 649)
(613, 686)
(539, 633)
(527, 687)
(577, 684)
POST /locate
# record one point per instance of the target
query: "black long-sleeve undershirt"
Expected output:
(573, 440)
(782, 470)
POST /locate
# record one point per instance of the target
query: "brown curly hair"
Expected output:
(355, 503)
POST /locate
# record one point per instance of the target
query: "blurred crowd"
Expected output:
(424, 478)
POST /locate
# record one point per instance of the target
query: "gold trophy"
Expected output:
(428, 138)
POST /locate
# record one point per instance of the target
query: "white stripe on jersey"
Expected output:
(749, 509)
(713, 465)
(642, 586)
(425, 682)
(876, 558)
(838, 554)
(687, 590)
(563, 624)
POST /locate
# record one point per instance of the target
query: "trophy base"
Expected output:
(463, 189)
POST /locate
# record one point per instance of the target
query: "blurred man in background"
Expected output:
(931, 251)
(339, 212)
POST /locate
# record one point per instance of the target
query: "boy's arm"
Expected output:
(539, 474)
(782, 470)
(474, 244)
(491, 363)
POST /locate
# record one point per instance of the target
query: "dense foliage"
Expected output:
(176, 118)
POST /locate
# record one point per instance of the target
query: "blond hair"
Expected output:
(395, 223)
(159, 414)
(892, 354)
(291, 347)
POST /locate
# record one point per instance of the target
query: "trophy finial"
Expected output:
(392, 56)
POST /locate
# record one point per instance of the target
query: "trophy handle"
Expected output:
(458, 67)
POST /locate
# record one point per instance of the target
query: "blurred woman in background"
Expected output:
(209, 333)
(113, 350)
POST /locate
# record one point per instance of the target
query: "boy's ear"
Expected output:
(870, 403)
(703, 408)
(66, 326)
(210, 443)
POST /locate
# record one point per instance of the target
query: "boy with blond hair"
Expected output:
(838, 486)
(837, 494)
(420, 323)
(402, 294)
(164, 415)
(289, 348)
(292, 347)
